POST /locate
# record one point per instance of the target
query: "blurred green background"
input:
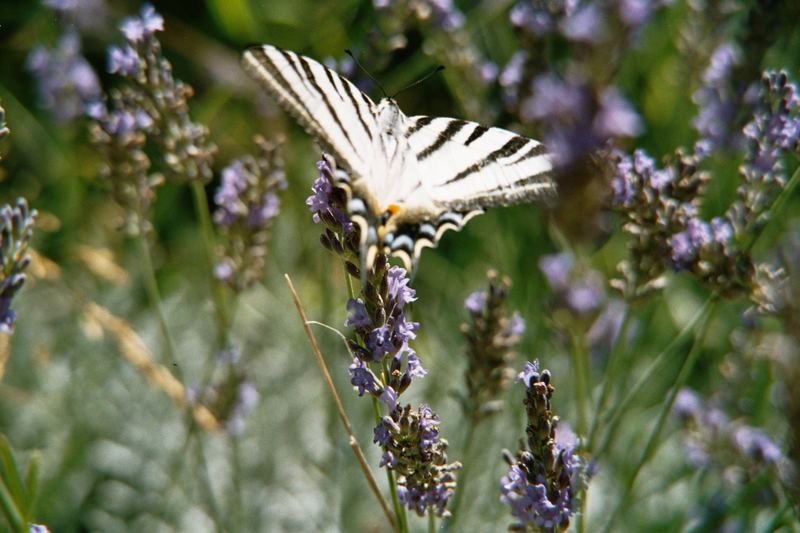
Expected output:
(116, 451)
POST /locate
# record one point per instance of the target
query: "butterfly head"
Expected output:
(388, 114)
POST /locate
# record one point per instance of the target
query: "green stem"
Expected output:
(431, 520)
(777, 206)
(652, 442)
(216, 514)
(236, 479)
(217, 289)
(581, 380)
(461, 487)
(613, 369)
(154, 295)
(663, 357)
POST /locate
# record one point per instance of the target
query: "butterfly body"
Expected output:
(409, 179)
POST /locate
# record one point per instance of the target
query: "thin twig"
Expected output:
(373, 485)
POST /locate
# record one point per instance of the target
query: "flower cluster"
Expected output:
(491, 335)
(415, 452)
(384, 364)
(65, 81)
(546, 475)
(328, 205)
(661, 206)
(713, 437)
(580, 302)
(247, 203)
(153, 106)
(576, 101)
(16, 230)
(230, 397)
(85, 14)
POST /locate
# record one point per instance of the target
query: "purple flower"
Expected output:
(616, 117)
(362, 378)
(358, 317)
(404, 330)
(65, 81)
(379, 342)
(683, 251)
(530, 373)
(553, 97)
(512, 71)
(246, 399)
(661, 178)
(399, 290)
(414, 366)
(124, 61)
(428, 428)
(756, 445)
(515, 326)
(699, 232)
(556, 269)
(584, 25)
(387, 459)
(224, 270)
(475, 302)
(16, 231)
(389, 397)
(687, 404)
(138, 29)
(381, 433)
(585, 295)
(722, 230)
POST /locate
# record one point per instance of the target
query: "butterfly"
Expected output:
(409, 179)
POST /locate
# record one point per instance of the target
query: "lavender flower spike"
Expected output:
(544, 478)
(16, 230)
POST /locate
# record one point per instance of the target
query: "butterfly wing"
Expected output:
(463, 168)
(463, 165)
(330, 108)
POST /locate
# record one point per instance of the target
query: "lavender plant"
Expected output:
(384, 364)
(661, 206)
(16, 231)
(151, 108)
(247, 203)
(546, 476)
(491, 336)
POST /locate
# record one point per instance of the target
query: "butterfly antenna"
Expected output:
(425, 77)
(370, 76)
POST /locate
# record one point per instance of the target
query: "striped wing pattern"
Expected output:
(330, 108)
(450, 169)
(469, 166)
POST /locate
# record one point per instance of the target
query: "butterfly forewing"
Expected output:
(329, 107)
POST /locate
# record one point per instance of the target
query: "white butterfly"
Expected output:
(415, 177)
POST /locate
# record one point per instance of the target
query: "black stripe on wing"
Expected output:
(312, 79)
(450, 131)
(293, 104)
(509, 149)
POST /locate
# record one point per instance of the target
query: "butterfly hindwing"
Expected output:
(333, 110)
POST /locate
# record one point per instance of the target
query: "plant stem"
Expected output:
(652, 442)
(621, 407)
(613, 368)
(362, 461)
(217, 289)
(461, 487)
(581, 380)
(154, 295)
